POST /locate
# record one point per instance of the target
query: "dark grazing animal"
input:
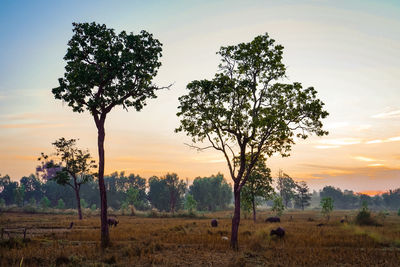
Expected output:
(70, 226)
(112, 221)
(273, 219)
(320, 224)
(343, 221)
(214, 223)
(279, 232)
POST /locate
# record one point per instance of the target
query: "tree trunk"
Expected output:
(236, 219)
(105, 238)
(254, 209)
(78, 202)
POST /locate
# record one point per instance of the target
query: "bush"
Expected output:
(60, 204)
(364, 216)
(398, 212)
(93, 207)
(45, 202)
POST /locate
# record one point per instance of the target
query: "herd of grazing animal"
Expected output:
(279, 232)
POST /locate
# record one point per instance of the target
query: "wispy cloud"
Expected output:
(360, 158)
(336, 125)
(376, 165)
(387, 115)
(338, 142)
(387, 140)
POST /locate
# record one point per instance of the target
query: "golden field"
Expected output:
(141, 241)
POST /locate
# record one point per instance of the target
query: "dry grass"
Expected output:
(176, 241)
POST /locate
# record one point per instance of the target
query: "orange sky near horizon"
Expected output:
(348, 51)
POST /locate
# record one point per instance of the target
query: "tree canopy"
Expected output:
(246, 110)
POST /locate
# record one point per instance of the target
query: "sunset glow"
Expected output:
(350, 55)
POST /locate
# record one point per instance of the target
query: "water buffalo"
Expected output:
(214, 223)
(112, 221)
(273, 219)
(71, 225)
(279, 232)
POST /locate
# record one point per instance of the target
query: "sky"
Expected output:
(347, 50)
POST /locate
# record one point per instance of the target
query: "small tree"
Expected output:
(244, 111)
(32, 202)
(302, 195)
(45, 202)
(68, 166)
(84, 203)
(60, 204)
(19, 194)
(190, 203)
(176, 189)
(278, 206)
(104, 70)
(327, 206)
(286, 187)
(258, 186)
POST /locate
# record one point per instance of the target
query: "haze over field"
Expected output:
(347, 50)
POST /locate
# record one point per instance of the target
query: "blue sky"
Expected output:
(347, 50)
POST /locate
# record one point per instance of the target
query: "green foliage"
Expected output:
(245, 107)
(105, 69)
(19, 193)
(398, 212)
(327, 206)
(60, 204)
(302, 195)
(258, 186)
(84, 204)
(166, 193)
(364, 216)
(93, 207)
(278, 206)
(45, 202)
(211, 193)
(190, 203)
(286, 187)
(2, 202)
(132, 197)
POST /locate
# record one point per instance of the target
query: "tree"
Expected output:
(258, 186)
(45, 202)
(176, 189)
(60, 204)
(19, 193)
(244, 110)
(278, 206)
(286, 187)
(327, 206)
(68, 166)
(158, 194)
(7, 189)
(190, 203)
(104, 70)
(302, 195)
(211, 193)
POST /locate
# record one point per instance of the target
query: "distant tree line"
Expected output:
(169, 193)
(166, 193)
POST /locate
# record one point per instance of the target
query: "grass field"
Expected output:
(143, 241)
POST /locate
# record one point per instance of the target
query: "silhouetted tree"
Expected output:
(104, 70)
(286, 187)
(68, 166)
(302, 195)
(244, 110)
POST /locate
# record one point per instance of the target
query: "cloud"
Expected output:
(338, 142)
(336, 125)
(375, 165)
(387, 140)
(364, 158)
(387, 115)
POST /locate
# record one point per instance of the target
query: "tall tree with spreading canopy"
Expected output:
(245, 110)
(69, 166)
(302, 196)
(104, 70)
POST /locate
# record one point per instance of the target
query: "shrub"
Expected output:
(61, 204)
(45, 202)
(398, 212)
(327, 206)
(364, 216)
(93, 207)
(278, 207)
